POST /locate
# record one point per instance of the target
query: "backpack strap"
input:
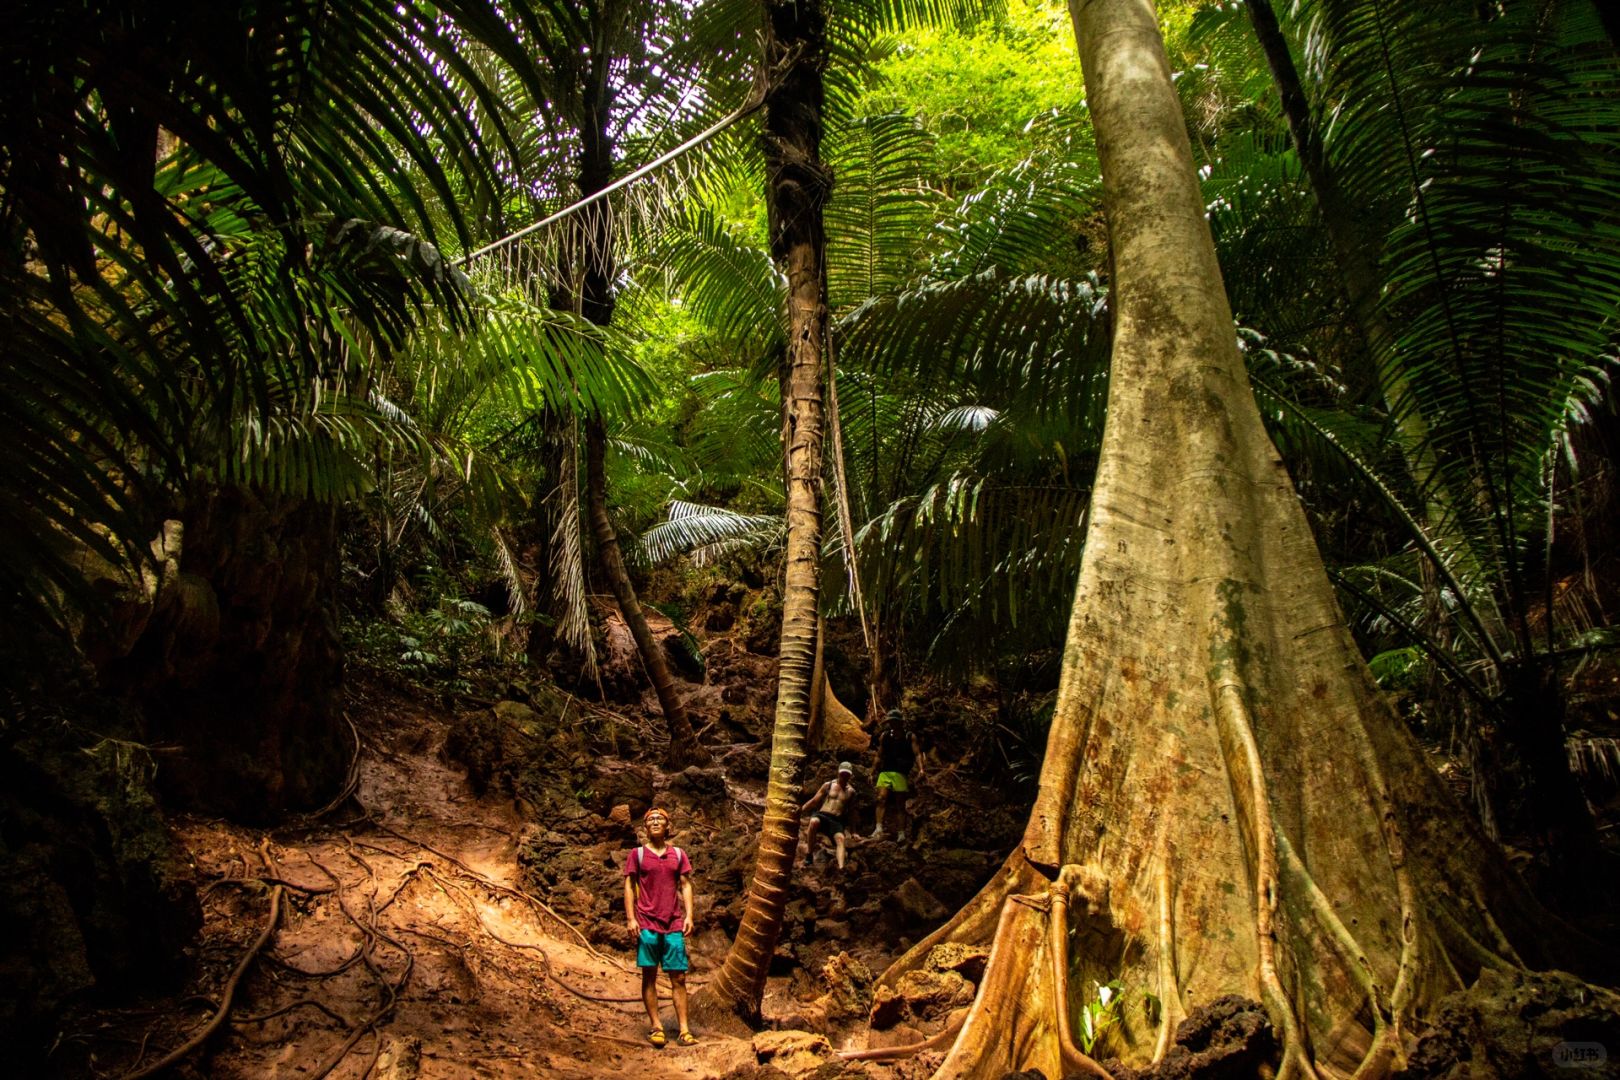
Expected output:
(641, 848)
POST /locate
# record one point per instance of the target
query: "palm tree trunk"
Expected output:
(597, 304)
(684, 748)
(798, 187)
(1227, 804)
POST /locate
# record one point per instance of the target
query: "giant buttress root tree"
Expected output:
(798, 185)
(1224, 789)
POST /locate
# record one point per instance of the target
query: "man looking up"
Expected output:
(655, 875)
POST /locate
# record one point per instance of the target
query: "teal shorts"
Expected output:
(667, 951)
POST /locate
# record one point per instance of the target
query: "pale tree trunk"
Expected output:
(1227, 804)
(798, 187)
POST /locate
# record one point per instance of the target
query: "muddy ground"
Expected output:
(460, 913)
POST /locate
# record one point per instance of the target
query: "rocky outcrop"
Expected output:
(236, 662)
(95, 893)
(1228, 1039)
(1521, 1025)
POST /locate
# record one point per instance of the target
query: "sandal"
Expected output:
(686, 1038)
(658, 1038)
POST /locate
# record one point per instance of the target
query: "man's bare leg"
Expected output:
(810, 839)
(677, 988)
(882, 806)
(649, 997)
(838, 842)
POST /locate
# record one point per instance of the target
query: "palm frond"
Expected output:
(707, 534)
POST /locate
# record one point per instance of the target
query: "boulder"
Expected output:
(888, 1008)
(699, 783)
(967, 961)
(849, 987)
(794, 1052)
(929, 995)
(518, 715)
(1520, 1024)
(918, 902)
(613, 782)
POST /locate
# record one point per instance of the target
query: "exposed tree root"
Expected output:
(372, 935)
(506, 890)
(291, 1006)
(1237, 729)
(1093, 888)
(451, 889)
(944, 1037)
(351, 778)
(227, 996)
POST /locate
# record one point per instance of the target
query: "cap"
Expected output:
(845, 767)
(655, 811)
(894, 716)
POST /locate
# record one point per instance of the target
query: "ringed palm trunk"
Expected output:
(1227, 804)
(798, 187)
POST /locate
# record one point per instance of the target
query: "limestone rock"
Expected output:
(1229, 1037)
(888, 1008)
(804, 1016)
(700, 783)
(1521, 1024)
(966, 960)
(849, 987)
(929, 995)
(401, 1059)
(918, 902)
(518, 715)
(620, 815)
(794, 1052)
(613, 782)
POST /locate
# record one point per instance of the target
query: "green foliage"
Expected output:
(978, 92)
(1100, 1015)
(439, 646)
(218, 219)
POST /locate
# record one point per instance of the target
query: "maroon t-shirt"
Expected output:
(658, 887)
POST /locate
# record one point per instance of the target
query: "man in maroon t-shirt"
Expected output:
(658, 913)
